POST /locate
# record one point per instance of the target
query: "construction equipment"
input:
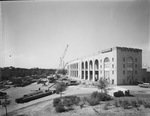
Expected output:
(61, 61)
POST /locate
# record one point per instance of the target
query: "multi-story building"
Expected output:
(119, 65)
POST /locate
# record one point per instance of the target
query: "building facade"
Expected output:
(119, 65)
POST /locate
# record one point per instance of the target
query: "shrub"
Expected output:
(73, 99)
(134, 103)
(93, 101)
(96, 97)
(125, 104)
(105, 107)
(60, 108)
(116, 103)
(65, 103)
(101, 96)
(56, 101)
(119, 94)
(146, 104)
(139, 101)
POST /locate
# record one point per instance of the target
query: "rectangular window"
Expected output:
(123, 59)
(101, 66)
(135, 72)
(135, 59)
(112, 65)
(124, 72)
(112, 72)
(123, 65)
(135, 65)
(112, 59)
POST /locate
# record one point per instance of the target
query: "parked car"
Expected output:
(73, 82)
(146, 85)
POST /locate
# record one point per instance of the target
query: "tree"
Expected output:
(60, 87)
(102, 84)
(5, 102)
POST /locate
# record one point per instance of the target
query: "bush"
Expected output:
(146, 104)
(140, 102)
(73, 99)
(134, 103)
(56, 101)
(60, 108)
(96, 97)
(125, 104)
(65, 103)
(105, 107)
(101, 96)
(116, 103)
(119, 94)
(93, 101)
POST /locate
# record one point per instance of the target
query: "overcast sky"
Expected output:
(35, 34)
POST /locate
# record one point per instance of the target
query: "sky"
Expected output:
(36, 33)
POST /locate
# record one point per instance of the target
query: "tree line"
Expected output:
(7, 73)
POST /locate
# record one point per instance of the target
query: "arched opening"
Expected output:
(96, 64)
(86, 70)
(91, 70)
(130, 65)
(107, 69)
(82, 70)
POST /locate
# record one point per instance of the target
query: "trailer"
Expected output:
(34, 96)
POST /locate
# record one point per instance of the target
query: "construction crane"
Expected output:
(59, 67)
(61, 60)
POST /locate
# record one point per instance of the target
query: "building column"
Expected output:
(93, 70)
(99, 68)
(88, 70)
(84, 71)
(80, 70)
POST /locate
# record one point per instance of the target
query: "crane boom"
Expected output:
(62, 58)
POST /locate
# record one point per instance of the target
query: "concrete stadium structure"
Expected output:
(119, 65)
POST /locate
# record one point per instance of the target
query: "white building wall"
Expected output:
(115, 69)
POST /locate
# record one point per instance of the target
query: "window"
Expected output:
(101, 66)
(112, 59)
(135, 65)
(123, 59)
(112, 65)
(112, 72)
(112, 81)
(124, 72)
(135, 59)
(123, 65)
(101, 72)
(136, 72)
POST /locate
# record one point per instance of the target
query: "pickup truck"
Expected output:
(145, 85)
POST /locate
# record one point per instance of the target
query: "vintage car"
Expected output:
(145, 85)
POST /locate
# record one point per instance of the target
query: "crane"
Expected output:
(61, 60)
(60, 66)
